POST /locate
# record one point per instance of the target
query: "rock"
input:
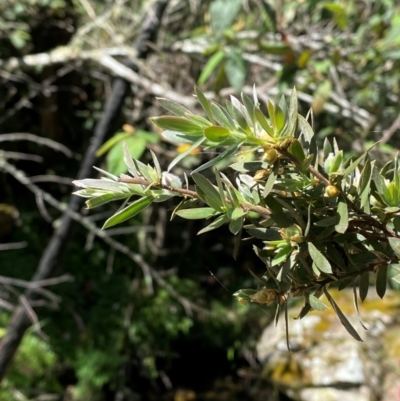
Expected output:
(327, 363)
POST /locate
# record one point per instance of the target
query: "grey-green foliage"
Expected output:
(315, 218)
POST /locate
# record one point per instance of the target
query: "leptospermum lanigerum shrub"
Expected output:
(317, 219)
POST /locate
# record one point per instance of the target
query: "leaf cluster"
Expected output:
(315, 218)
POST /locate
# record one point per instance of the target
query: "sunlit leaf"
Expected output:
(316, 303)
(342, 210)
(178, 124)
(395, 245)
(319, 259)
(216, 133)
(112, 142)
(103, 199)
(132, 210)
(115, 157)
(196, 214)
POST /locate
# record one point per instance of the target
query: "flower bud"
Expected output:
(270, 156)
(331, 191)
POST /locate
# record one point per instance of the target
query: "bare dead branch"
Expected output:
(23, 136)
(13, 245)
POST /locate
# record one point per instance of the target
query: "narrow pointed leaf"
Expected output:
(356, 307)
(128, 212)
(364, 286)
(112, 142)
(341, 227)
(103, 199)
(173, 107)
(395, 245)
(210, 192)
(210, 66)
(196, 214)
(218, 222)
(316, 303)
(343, 319)
(381, 281)
(205, 103)
(221, 116)
(179, 124)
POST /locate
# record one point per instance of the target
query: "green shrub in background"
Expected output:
(315, 218)
(32, 369)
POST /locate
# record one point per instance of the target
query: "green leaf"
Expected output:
(355, 300)
(364, 286)
(395, 245)
(269, 185)
(305, 128)
(223, 14)
(236, 225)
(381, 281)
(115, 157)
(218, 222)
(205, 103)
(103, 199)
(211, 65)
(210, 192)
(279, 118)
(178, 124)
(236, 213)
(179, 137)
(327, 148)
(223, 156)
(282, 255)
(173, 107)
(353, 165)
(316, 303)
(341, 227)
(235, 68)
(196, 214)
(328, 221)
(216, 133)
(221, 116)
(104, 184)
(342, 317)
(319, 259)
(112, 142)
(133, 209)
(262, 120)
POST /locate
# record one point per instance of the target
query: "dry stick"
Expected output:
(55, 250)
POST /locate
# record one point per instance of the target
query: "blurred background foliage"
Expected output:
(115, 334)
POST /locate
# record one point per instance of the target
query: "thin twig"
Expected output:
(188, 193)
(23, 136)
(13, 245)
